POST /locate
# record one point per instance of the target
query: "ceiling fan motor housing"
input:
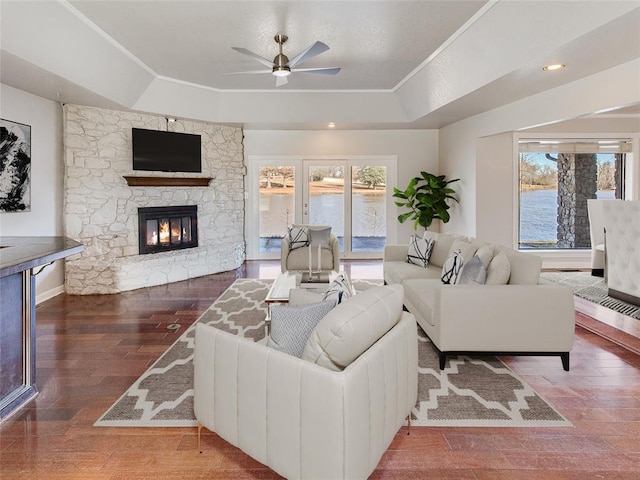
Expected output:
(280, 68)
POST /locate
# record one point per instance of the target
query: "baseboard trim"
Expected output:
(49, 294)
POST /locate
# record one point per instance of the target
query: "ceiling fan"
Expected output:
(281, 67)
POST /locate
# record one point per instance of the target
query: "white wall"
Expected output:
(45, 217)
(460, 157)
(416, 150)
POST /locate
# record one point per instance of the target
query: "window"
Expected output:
(556, 177)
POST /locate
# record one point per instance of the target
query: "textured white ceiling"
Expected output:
(405, 64)
(376, 44)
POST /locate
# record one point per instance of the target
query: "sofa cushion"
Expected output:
(298, 259)
(419, 250)
(441, 247)
(525, 267)
(353, 326)
(422, 296)
(291, 325)
(467, 248)
(473, 272)
(499, 270)
(320, 236)
(397, 272)
(452, 267)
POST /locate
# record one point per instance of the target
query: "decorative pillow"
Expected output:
(467, 249)
(499, 270)
(319, 235)
(420, 250)
(298, 237)
(340, 289)
(485, 253)
(473, 272)
(452, 267)
(292, 325)
(353, 326)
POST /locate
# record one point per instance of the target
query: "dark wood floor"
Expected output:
(90, 349)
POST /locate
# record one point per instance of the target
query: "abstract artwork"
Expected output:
(15, 167)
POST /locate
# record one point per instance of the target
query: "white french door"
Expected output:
(351, 194)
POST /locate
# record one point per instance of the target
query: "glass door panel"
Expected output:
(369, 208)
(324, 202)
(276, 194)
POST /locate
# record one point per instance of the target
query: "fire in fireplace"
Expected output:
(167, 228)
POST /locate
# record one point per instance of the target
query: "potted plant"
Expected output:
(426, 197)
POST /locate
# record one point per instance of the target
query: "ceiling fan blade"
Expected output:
(280, 81)
(320, 70)
(249, 72)
(311, 51)
(249, 53)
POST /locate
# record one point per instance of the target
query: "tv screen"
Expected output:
(155, 150)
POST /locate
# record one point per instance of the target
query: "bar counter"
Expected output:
(21, 259)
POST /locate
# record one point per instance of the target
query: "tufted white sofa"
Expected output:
(299, 418)
(519, 317)
(622, 225)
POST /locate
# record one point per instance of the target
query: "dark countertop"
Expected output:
(18, 254)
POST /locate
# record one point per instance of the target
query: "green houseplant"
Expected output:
(426, 198)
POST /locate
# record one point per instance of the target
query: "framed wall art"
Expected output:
(15, 166)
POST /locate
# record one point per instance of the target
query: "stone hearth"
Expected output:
(101, 210)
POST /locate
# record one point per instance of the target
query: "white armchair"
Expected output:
(298, 418)
(298, 259)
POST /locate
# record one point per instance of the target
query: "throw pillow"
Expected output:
(452, 267)
(292, 325)
(298, 237)
(352, 327)
(339, 290)
(485, 253)
(473, 272)
(420, 250)
(320, 235)
(499, 270)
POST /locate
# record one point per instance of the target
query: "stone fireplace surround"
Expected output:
(101, 209)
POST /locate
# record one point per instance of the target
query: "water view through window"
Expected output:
(325, 204)
(554, 188)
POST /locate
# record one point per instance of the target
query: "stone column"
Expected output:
(577, 181)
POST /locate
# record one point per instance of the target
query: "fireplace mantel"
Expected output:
(167, 181)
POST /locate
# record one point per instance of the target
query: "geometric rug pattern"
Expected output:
(594, 289)
(469, 392)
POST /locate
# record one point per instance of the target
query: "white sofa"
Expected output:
(595, 209)
(622, 225)
(299, 418)
(519, 317)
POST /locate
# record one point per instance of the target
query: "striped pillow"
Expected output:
(420, 250)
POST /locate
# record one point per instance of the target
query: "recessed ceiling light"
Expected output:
(331, 125)
(555, 66)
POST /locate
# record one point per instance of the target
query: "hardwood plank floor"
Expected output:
(91, 348)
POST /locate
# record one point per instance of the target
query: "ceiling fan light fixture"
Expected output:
(281, 71)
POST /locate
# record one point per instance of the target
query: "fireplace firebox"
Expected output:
(167, 228)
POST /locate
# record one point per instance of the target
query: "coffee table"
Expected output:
(284, 282)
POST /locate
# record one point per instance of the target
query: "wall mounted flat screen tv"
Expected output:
(155, 150)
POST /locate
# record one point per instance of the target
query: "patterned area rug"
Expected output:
(591, 288)
(469, 392)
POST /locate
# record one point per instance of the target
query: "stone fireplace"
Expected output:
(161, 229)
(101, 203)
